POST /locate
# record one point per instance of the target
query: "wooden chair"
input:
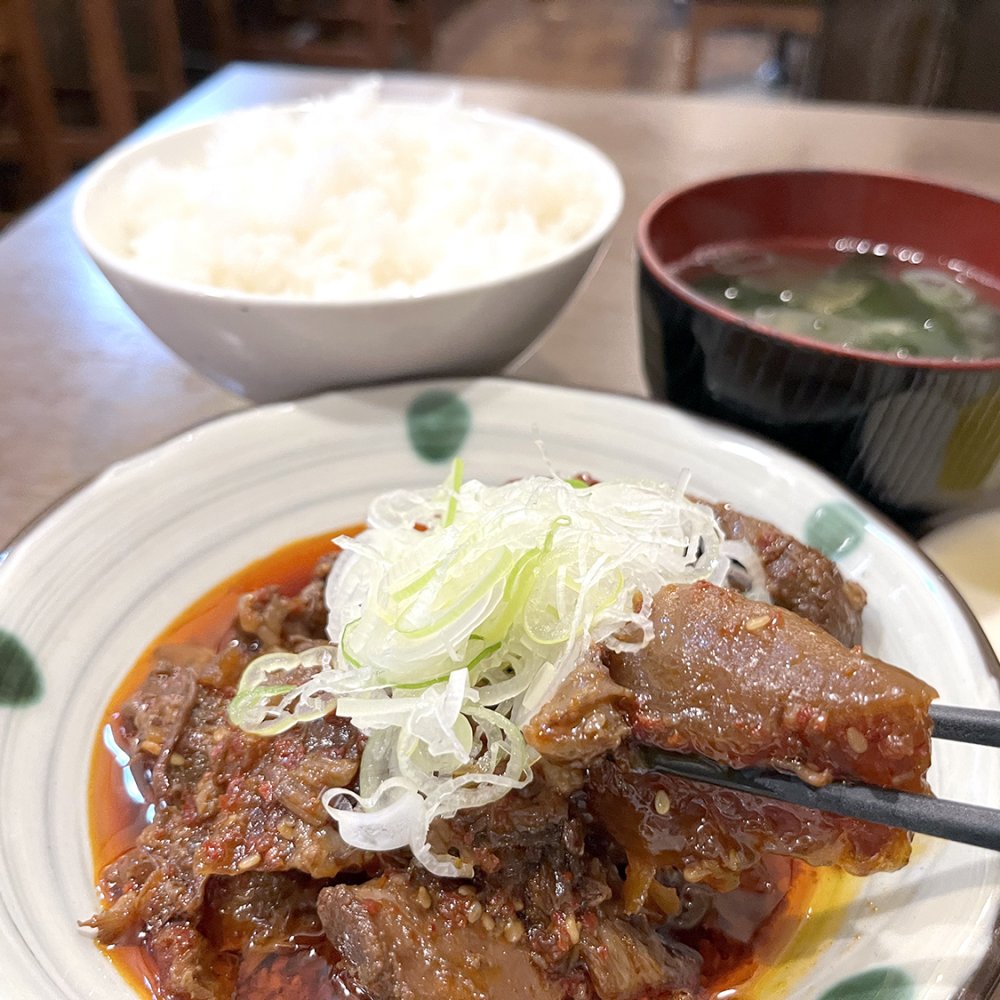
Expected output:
(113, 86)
(922, 45)
(798, 17)
(360, 33)
(34, 135)
(44, 148)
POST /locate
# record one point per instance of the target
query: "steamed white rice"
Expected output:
(353, 198)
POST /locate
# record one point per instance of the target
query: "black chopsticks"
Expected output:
(959, 821)
(966, 725)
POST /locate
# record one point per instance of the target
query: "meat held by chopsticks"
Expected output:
(747, 684)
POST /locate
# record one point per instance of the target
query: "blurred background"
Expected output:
(78, 75)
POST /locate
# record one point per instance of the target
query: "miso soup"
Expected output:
(855, 293)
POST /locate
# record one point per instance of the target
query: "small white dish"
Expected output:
(968, 553)
(86, 589)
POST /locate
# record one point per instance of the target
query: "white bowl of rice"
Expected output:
(285, 250)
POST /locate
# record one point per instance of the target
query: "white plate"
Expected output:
(86, 589)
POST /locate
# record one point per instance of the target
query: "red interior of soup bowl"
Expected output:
(815, 206)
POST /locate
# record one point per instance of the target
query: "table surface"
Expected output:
(84, 383)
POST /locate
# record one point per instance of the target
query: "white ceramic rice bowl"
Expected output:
(271, 348)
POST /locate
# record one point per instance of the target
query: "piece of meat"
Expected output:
(269, 620)
(401, 944)
(630, 962)
(799, 578)
(522, 825)
(301, 974)
(147, 888)
(159, 710)
(187, 966)
(300, 788)
(229, 803)
(584, 717)
(558, 898)
(156, 716)
(713, 835)
(745, 683)
(255, 798)
(256, 909)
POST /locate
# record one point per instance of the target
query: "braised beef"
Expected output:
(230, 811)
(268, 620)
(402, 944)
(159, 713)
(522, 824)
(584, 718)
(541, 930)
(585, 881)
(746, 684)
(628, 960)
(187, 966)
(149, 887)
(799, 578)
(713, 835)
(256, 909)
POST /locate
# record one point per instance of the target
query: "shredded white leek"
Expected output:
(454, 617)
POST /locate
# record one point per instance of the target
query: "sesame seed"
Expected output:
(474, 912)
(250, 861)
(758, 624)
(513, 931)
(488, 922)
(150, 747)
(178, 760)
(856, 740)
(467, 890)
(661, 803)
(573, 929)
(424, 897)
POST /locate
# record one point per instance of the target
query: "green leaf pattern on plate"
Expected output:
(876, 984)
(836, 529)
(20, 681)
(437, 423)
